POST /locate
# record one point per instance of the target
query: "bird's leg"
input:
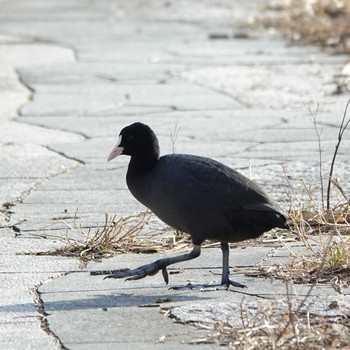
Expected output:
(225, 263)
(153, 268)
(225, 280)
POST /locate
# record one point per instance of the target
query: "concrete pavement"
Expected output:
(73, 74)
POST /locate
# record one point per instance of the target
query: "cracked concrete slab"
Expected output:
(300, 85)
(25, 163)
(40, 164)
(35, 54)
(118, 301)
(76, 105)
(95, 72)
(134, 93)
(19, 275)
(75, 73)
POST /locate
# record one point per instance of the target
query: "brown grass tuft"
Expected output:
(115, 236)
(281, 328)
(323, 22)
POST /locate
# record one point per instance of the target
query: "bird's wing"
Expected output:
(216, 184)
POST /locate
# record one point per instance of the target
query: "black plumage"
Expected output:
(196, 195)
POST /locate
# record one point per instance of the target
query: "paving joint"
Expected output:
(42, 316)
(67, 157)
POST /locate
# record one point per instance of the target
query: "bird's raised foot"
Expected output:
(142, 272)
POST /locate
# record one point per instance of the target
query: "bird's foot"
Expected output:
(210, 287)
(142, 272)
(199, 287)
(229, 283)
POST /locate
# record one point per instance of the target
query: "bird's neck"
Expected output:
(143, 163)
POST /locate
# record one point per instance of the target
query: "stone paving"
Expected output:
(73, 73)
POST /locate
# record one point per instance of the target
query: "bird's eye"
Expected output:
(130, 138)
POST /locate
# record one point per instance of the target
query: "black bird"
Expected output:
(196, 195)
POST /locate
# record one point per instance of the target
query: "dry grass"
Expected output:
(325, 235)
(115, 236)
(277, 326)
(328, 264)
(323, 22)
(324, 230)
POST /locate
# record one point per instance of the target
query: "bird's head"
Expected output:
(136, 140)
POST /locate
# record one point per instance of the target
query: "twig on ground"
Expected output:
(313, 114)
(174, 133)
(342, 129)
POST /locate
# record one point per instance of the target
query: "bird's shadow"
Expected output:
(131, 299)
(116, 300)
(89, 300)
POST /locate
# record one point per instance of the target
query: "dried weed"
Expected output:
(115, 236)
(324, 230)
(323, 22)
(279, 327)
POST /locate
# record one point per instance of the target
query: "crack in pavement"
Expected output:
(11, 229)
(40, 307)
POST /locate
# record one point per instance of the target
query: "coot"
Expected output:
(196, 195)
